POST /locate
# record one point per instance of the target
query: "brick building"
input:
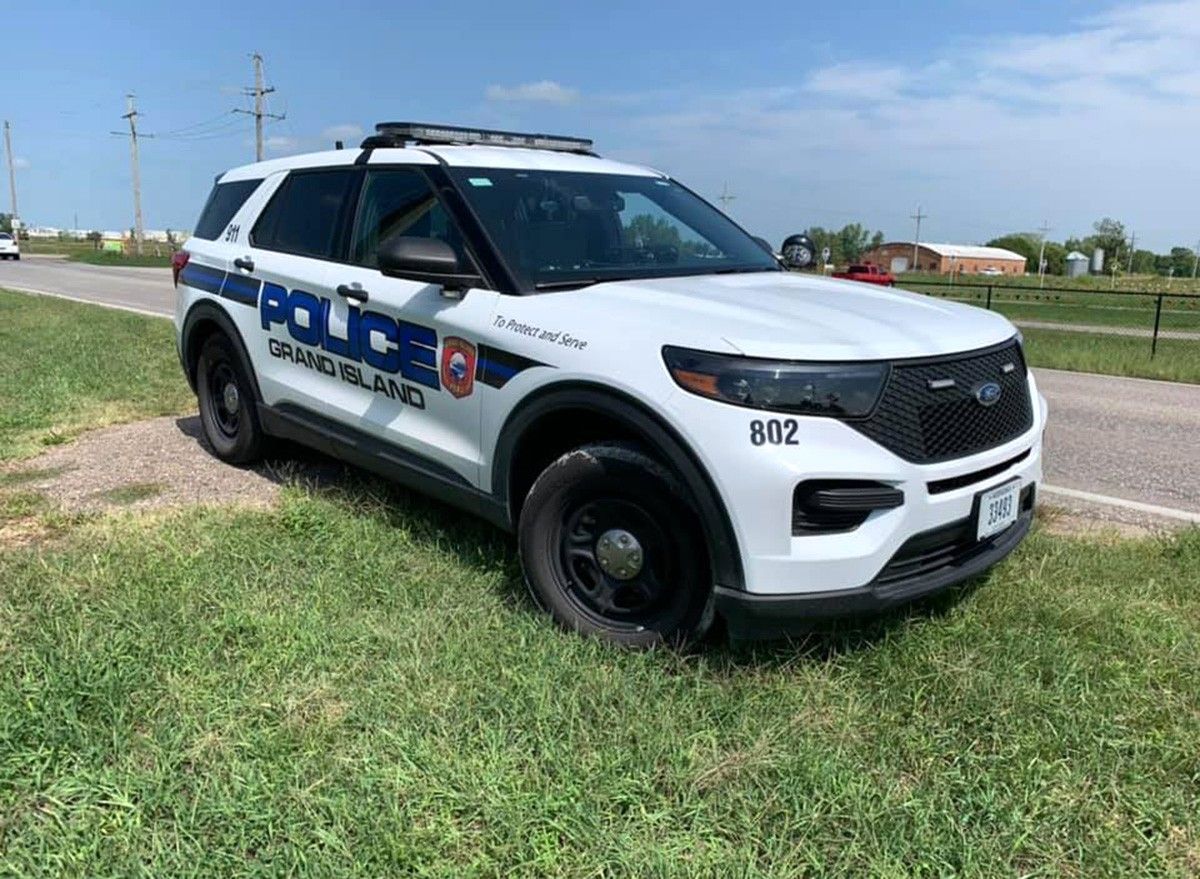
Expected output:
(968, 259)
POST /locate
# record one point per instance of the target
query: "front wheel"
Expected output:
(611, 547)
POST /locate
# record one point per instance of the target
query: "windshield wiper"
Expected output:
(567, 285)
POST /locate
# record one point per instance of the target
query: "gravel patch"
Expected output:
(162, 462)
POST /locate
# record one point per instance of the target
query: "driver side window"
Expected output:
(400, 202)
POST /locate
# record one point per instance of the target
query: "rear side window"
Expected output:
(225, 200)
(303, 216)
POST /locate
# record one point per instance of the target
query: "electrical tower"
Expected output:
(726, 197)
(132, 115)
(918, 216)
(258, 91)
(1042, 229)
(12, 177)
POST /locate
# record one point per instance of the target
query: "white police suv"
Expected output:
(589, 354)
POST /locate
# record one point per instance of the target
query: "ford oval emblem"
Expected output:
(988, 394)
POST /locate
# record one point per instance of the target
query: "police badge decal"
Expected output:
(458, 366)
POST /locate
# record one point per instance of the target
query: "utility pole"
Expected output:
(725, 197)
(1043, 229)
(1196, 260)
(12, 177)
(258, 91)
(132, 115)
(1132, 246)
(918, 216)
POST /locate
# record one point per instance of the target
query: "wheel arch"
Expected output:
(203, 319)
(579, 405)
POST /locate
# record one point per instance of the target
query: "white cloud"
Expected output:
(346, 132)
(859, 80)
(20, 163)
(281, 144)
(546, 91)
(989, 136)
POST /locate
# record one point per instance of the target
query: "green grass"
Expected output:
(1135, 283)
(65, 367)
(355, 684)
(1176, 360)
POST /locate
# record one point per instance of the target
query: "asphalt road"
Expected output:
(1132, 442)
(135, 289)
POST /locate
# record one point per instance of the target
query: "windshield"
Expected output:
(560, 229)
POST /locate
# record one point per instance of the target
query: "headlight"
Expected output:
(839, 390)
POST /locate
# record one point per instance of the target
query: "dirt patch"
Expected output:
(162, 462)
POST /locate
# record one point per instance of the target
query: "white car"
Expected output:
(587, 353)
(9, 248)
(991, 271)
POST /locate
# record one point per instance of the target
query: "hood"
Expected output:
(798, 317)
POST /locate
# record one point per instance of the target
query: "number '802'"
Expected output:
(774, 432)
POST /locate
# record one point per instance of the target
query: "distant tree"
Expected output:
(6, 223)
(95, 237)
(876, 240)
(1181, 259)
(852, 241)
(1023, 243)
(1144, 262)
(1110, 234)
(1056, 259)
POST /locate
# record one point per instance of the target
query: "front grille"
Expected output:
(923, 424)
(950, 546)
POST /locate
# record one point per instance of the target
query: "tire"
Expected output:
(230, 422)
(570, 539)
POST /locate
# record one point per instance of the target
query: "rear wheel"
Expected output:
(227, 407)
(610, 547)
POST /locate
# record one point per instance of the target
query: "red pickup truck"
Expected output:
(868, 274)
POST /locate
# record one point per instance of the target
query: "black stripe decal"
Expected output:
(496, 367)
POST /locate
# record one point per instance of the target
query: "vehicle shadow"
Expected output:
(478, 544)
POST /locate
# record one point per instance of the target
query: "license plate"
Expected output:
(997, 509)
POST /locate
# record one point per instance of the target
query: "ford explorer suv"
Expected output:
(588, 354)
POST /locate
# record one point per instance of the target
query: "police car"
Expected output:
(587, 353)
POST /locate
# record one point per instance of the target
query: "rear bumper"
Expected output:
(750, 616)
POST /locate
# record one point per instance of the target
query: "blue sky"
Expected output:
(994, 117)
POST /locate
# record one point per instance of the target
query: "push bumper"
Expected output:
(925, 565)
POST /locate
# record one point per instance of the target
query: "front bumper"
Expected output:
(749, 616)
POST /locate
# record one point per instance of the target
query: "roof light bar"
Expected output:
(417, 132)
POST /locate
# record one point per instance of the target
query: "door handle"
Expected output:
(244, 263)
(346, 291)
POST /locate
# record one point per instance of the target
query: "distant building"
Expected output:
(897, 256)
(1077, 264)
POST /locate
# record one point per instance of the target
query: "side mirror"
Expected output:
(429, 260)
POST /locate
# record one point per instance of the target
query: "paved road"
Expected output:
(1126, 439)
(135, 289)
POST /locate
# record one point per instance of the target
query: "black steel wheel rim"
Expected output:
(631, 603)
(221, 376)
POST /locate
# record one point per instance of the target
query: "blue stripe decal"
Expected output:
(203, 278)
(241, 289)
(501, 370)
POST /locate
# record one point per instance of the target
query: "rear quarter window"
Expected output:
(225, 200)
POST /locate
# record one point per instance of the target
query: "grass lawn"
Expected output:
(355, 683)
(154, 253)
(65, 367)
(1176, 359)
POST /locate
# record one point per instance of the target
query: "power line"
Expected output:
(918, 216)
(259, 92)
